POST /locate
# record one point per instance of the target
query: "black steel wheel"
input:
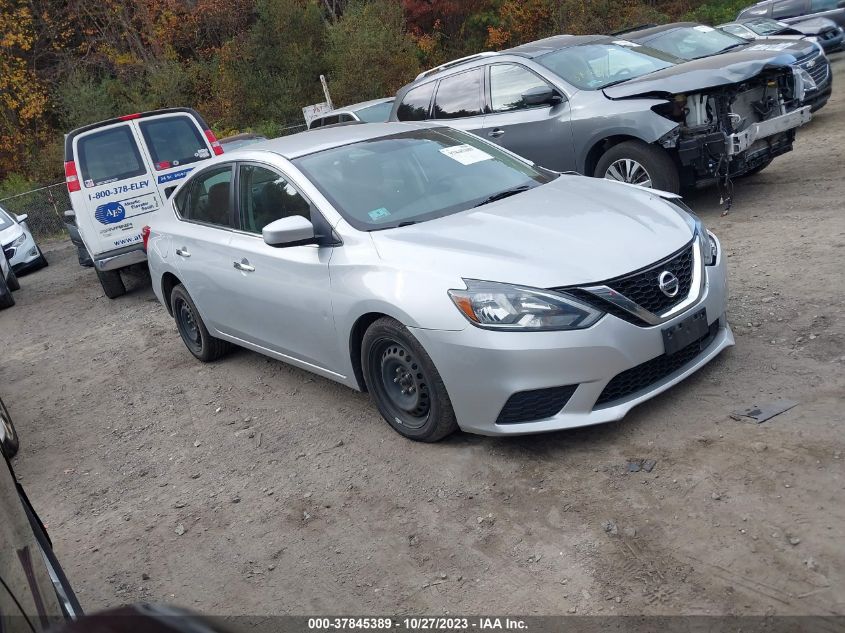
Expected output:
(404, 383)
(192, 328)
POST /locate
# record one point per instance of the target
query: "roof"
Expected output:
(557, 42)
(243, 136)
(649, 32)
(320, 139)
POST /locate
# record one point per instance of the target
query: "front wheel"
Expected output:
(13, 282)
(192, 328)
(9, 442)
(404, 383)
(42, 261)
(6, 298)
(639, 163)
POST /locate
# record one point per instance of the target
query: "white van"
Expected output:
(120, 172)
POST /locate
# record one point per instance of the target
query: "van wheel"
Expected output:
(112, 283)
(9, 442)
(404, 383)
(6, 298)
(641, 164)
(192, 328)
(12, 281)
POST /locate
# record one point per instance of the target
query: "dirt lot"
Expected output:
(293, 496)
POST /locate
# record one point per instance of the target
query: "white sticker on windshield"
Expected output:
(465, 154)
(703, 29)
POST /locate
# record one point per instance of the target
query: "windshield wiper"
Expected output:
(503, 194)
(727, 48)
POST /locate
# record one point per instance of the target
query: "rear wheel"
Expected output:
(12, 281)
(6, 298)
(404, 383)
(639, 163)
(192, 328)
(9, 442)
(112, 283)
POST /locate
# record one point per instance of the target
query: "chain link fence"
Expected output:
(45, 208)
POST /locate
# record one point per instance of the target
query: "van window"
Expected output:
(459, 95)
(206, 198)
(108, 156)
(173, 141)
(414, 106)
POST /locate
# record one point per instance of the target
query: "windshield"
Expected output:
(596, 66)
(695, 41)
(415, 176)
(375, 113)
(5, 220)
(766, 27)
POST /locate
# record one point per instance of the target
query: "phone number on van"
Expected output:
(115, 191)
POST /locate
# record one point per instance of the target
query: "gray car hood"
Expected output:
(573, 230)
(708, 72)
(813, 26)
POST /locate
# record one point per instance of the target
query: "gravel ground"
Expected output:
(248, 486)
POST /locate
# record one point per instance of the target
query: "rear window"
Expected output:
(108, 156)
(414, 106)
(173, 141)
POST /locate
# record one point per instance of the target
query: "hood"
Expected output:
(573, 230)
(814, 26)
(798, 48)
(707, 72)
(10, 233)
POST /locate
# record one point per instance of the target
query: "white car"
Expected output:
(18, 244)
(8, 283)
(461, 285)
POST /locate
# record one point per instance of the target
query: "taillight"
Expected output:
(145, 235)
(215, 144)
(71, 178)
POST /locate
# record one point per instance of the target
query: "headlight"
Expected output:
(505, 307)
(20, 240)
(707, 244)
(804, 83)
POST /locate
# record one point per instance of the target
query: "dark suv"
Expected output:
(796, 10)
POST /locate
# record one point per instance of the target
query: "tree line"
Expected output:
(251, 65)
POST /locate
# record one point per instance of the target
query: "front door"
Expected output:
(540, 133)
(280, 297)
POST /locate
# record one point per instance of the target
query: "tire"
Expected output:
(415, 401)
(658, 166)
(757, 169)
(9, 442)
(6, 298)
(12, 281)
(42, 261)
(112, 283)
(192, 328)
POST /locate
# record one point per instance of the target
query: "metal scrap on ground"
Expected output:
(767, 411)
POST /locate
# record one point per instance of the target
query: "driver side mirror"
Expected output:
(293, 230)
(542, 95)
(22, 217)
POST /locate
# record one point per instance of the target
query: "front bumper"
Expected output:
(22, 256)
(482, 369)
(741, 141)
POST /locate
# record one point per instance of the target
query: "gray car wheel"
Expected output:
(639, 163)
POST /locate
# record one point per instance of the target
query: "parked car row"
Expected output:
(20, 254)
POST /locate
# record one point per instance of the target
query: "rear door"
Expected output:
(541, 133)
(118, 189)
(201, 238)
(174, 144)
(459, 100)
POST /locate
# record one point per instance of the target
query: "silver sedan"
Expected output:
(461, 285)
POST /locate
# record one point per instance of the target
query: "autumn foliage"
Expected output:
(252, 64)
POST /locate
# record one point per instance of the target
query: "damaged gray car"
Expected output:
(614, 109)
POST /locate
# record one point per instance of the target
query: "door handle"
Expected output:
(244, 266)
(183, 252)
(496, 133)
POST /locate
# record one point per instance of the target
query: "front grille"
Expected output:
(645, 374)
(528, 406)
(642, 287)
(819, 69)
(9, 252)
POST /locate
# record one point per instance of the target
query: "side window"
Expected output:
(507, 83)
(414, 106)
(206, 199)
(266, 196)
(174, 141)
(108, 156)
(331, 120)
(316, 123)
(459, 96)
(345, 118)
(822, 5)
(787, 8)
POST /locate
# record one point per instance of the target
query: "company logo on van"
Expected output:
(110, 213)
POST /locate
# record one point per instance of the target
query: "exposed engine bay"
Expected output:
(730, 130)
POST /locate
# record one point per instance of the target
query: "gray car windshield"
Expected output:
(596, 66)
(695, 41)
(766, 26)
(416, 176)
